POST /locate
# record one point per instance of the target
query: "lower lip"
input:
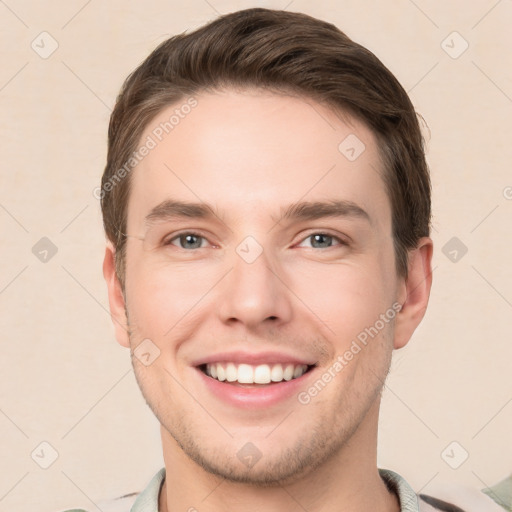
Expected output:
(257, 396)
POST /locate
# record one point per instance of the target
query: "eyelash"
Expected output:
(193, 233)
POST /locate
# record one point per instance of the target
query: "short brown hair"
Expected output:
(278, 51)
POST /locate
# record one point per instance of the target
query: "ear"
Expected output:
(414, 292)
(115, 297)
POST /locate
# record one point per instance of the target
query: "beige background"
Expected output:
(64, 380)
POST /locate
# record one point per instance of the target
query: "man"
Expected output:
(267, 205)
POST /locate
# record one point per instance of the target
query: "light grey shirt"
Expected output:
(486, 501)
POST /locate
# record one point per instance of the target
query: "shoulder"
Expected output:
(448, 497)
(461, 498)
(121, 504)
(146, 500)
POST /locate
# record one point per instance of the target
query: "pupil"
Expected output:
(322, 239)
(189, 239)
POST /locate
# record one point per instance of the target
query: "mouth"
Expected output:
(247, 375)
(254, 380)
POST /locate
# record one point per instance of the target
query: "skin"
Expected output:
(250, 153)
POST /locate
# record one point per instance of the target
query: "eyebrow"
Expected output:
(301, 211)
(308, 210)
(170, 209)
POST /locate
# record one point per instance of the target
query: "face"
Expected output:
(260, 278)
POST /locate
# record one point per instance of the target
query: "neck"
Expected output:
(349, 480)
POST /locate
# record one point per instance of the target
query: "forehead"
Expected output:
(250, 152)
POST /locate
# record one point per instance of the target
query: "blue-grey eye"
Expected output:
(323, 240)
(188, 241)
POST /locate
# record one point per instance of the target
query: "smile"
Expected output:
(254, 374)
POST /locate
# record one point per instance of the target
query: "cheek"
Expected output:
(345, 298)
(161, 296)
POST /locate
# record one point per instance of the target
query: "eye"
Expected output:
(188, 240)
(323, 240)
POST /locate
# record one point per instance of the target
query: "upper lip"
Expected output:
(253, 358)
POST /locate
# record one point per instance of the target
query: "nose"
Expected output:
(255, 293)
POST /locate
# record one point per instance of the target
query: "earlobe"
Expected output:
(415, 292)
(115, 297)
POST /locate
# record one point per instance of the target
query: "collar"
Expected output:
(147, 500)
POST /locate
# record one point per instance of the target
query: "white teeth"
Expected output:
(245, 374)
(297, 372)
(231, 373)
(260, 374)
(221, 373)
(276, 374)
(288, 372)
